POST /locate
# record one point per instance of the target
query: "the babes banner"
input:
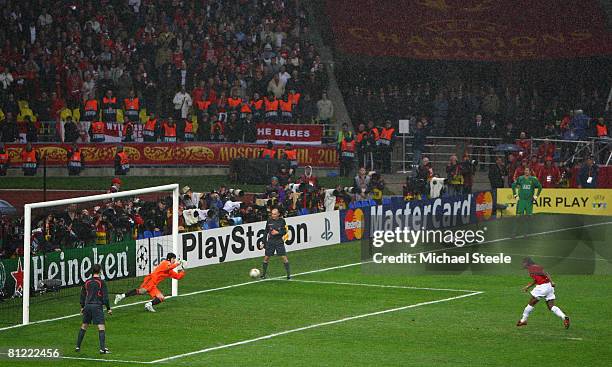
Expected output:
(289, 133)
(483, 30)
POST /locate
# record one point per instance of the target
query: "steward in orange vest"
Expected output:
(109, 107)
(268, 152)
(29, 159)
(362, 144)
(188, 134)
(75, 161)
(234, 102)
(257, 107)
(91, 111)
(286, 110)
(149, 132)
(385, 145)
(347, 155)
(169, 131)
(96, 131)
(245, 109)
(290, 154)
(217, 130)
(122, 163)
(131, 107)
(4, 160)
(271, 107)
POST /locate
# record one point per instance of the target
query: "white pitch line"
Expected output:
(382, 286)
(103, 360)
(313, 326)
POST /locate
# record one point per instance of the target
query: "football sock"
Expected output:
(265, 268)
(526, 312)
(287, 269)
(133, 292)
(80, 338)
(156, 301)
(557, 311)
(102, 336)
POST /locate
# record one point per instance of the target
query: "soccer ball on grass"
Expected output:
(254, 273)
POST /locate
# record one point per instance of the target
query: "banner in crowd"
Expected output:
(481, 30)
(238, 242)
(171, 154)
(444, 212)
(563, 201)
(71, 267)
(289, 133)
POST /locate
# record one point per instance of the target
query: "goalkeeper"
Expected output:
(169, 268)
(526, 186)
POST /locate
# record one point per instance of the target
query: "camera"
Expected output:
(236, 192)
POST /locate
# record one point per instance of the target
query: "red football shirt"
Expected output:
(538, 275)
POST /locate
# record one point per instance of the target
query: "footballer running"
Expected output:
(169, 268)
(276, 229)
(544, 288)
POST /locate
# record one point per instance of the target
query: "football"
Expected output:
(254, 273)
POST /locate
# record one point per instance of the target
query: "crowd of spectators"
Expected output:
(200, 61)
(451, 104)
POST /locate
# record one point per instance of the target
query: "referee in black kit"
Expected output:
(276, 228)
(94, 294)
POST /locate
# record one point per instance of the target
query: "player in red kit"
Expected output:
(544, 288)
(169, 268)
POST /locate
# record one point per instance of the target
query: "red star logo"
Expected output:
(18, 276)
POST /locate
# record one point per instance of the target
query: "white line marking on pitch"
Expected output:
(103, 360)
(381, 285)
(350, 318)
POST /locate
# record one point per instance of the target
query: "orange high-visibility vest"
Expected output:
(374, 132)
(123, 158)
(602, 130)
(348, 148)
(271, 106)
(294, 98)
(286, 107)
(245, 109)
(234, 102)
(91, 110)
(169, 131)
(149, 128)
(28, 158)
(75, 159)
(107, 100)
(268, 153)
(361, 135)
(109, 109)
(132, 108)
(257, 105)
(386, 135)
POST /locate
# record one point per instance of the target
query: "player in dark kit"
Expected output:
(544, 288)
(94, 295)
(276, 229)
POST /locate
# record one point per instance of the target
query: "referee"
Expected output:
(94, 294)
(276, 228)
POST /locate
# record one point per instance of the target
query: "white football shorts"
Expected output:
(546, 291)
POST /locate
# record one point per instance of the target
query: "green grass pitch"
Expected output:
(336, 315)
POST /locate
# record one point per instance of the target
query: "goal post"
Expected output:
(27, 236)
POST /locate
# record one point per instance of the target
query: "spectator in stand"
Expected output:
(479, 130)
(454, 177)
(5, 160)
(587, 177)
(10, 131)
(546, 149)
(497, 172)
(71, 131)
(361, 183)
(468, 170)
(524, 144)
(549, 175)
(182, 104)
(535, 166)
(418, 144)
(325, 109)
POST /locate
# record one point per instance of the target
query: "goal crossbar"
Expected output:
(27, 253)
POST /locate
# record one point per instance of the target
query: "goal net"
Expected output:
(62, 239)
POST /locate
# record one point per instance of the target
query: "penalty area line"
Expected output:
(313, 326)
(381, 286)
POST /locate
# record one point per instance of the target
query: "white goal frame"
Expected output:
(27, 255)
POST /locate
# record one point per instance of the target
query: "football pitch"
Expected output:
(336, 312)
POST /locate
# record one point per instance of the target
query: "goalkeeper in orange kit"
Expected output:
(169, 268)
